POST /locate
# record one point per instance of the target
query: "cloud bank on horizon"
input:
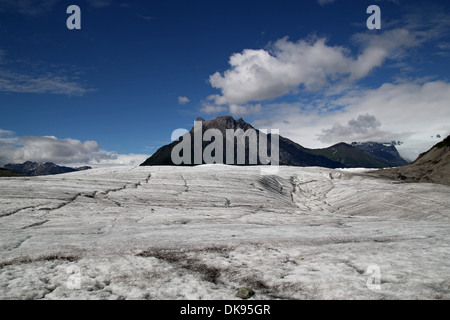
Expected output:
(68, 151)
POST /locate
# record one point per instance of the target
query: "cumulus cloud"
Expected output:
(49, 149)
(404, 106)
(183, 100)
(60, 151)
(360, 129)
(258, 75)
(411, 112)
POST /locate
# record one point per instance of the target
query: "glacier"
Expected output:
(204, 232)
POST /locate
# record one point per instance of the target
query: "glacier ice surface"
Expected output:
(204, 232)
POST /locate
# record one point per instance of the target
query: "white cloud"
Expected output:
(119, 160)
(410, 112)
(6, 137)
(6, 133)
(49, 149)
(237, 110)
(209, 108)
(60, 151)
(417, 106)
(259, 75)
(233, 109)
(183, 100)
(362, 128)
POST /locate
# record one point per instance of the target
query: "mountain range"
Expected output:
(39, 169)
(431, 166)
(342, 155)
(385, 152)
(368, 156)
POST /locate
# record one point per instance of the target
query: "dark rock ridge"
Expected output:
(290, 153)
(352, 157)
(41, 169)
(431, 166)
(385, 152)
(9, 173)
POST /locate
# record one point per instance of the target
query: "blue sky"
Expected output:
(114, 91)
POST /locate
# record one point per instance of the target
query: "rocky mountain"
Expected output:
(351, 157)
(431, 166)
(40, 169)
(290, 153)
(385, 152)
(293, 154)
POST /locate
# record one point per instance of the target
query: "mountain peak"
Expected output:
(227, 122)
(341, 155)
(385, 152)
(223, 119)
(341, 144)
(290, 153)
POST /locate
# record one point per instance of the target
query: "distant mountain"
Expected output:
(351, 157)
(290, 152)
(385, 152)
(83, 168)
(41, 169)
(431, 166)
(339, 156)
(9, 173)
